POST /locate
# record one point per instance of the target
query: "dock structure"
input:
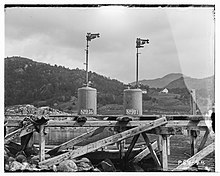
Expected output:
(129, 127)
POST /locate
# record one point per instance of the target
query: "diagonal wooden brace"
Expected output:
(153, 153)
(17, 133)
(196, 158)
(104, 142)
(144, 153)
(131, 146)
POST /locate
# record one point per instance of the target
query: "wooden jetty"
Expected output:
(125, 127)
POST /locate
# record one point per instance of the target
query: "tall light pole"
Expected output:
(89, 37)
(139, 44)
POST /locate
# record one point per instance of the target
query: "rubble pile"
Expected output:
(28, 109)
(21, 162)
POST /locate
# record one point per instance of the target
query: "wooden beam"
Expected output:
(74, 141)
(144, 153)
(140, 117)
(185, 123)
(68, 123)
(164, 153)
(41, 143)
(104, 142)
(134, 140)
(196, 158)
(204, 139)
(17, 133)
(153, 153)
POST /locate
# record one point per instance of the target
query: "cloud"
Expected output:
(178, 38)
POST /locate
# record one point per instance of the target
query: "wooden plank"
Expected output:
(204, 139)
(74, 141)
(144, 153)
(41, 143)
(196, 158)
(104, 142)
(164, 153)
(68, 123)
(134, 140)
(153, 153)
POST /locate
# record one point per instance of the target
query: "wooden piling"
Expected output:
(41, 143)
(164, 156)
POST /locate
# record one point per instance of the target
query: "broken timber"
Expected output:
(104, 142)
(196, 158)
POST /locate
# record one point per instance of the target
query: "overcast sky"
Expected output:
(181, 39)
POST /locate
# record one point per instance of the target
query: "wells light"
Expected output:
(139, 44)
(89, 37)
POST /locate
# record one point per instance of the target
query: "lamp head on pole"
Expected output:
(140, 42)
(90, 36)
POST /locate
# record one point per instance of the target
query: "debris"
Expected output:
(84, 164)
(21, 158)
(34, 160)
(15, 166)
(67, 166)
(107, 166)
(81, 119)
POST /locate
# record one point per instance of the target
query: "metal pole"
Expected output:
(137, 70)
(87, 60)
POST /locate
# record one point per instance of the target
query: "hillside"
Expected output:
(160, 82)
(192, 83)
(41, 84)
(204, 89)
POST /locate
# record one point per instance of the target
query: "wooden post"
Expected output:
(121, 146)
(193, 142)
(193, 101)
(193, 133)
(204, 139)
(164, 153)
(41, 143)
(168, 145)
